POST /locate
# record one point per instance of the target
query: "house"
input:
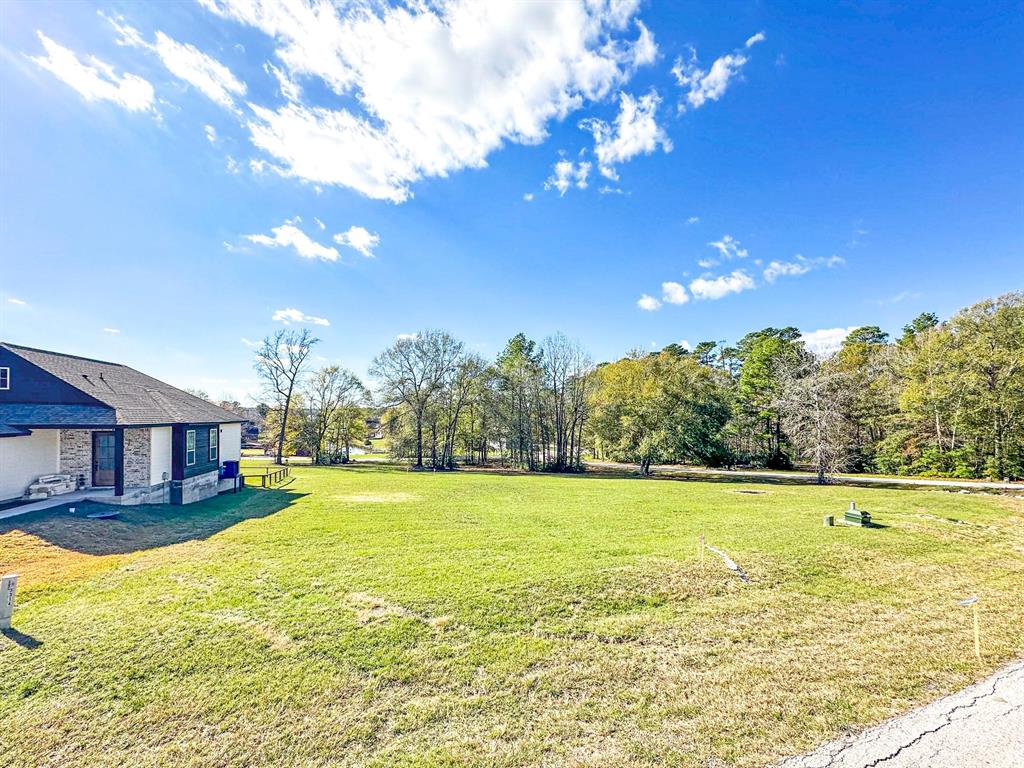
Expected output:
(109, 427)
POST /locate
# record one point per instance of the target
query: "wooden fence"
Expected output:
(269, 478)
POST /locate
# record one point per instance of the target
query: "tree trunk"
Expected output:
(284, 425)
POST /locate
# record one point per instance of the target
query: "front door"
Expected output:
(102, 458)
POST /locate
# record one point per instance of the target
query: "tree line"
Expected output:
(942, 398)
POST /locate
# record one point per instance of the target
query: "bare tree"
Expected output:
(326, 392)
(812, 402)
(279, 363)
(412, 370)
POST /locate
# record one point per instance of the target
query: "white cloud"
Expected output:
(250, 343)
(693, 220)
(17, 302)
(95, 80)
(211, 133)
(717, 287)
(710, 84)
(292, 315)
(645, 50)
(729, 247)
(634, 132)
(407, 336)
(232, 165)
(288, 87)
(528, 197)
(320, 224)
(111, 330)
(707, 263)
(826, 341)
(674, 293)
(186, 62)
(361, 239)
(779, 268)
(648, 303)
(567, 174)
(801, 265)
(193, 66)
(754, 40)
(432, 88)
(289, 235)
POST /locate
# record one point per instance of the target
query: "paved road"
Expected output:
(671, 469)
(982, 725)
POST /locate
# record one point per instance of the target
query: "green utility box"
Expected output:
(856, 516)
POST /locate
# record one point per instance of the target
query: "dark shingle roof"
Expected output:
(33, 415)
(137, 399)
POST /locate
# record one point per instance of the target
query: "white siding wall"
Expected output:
(159, 454)
(230, 442)
(23, 459)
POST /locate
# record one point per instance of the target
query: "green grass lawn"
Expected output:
(367, 615)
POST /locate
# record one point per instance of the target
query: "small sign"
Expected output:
(7, 585)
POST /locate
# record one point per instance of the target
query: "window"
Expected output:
(214, 434)
(5, 378)
(190, 448)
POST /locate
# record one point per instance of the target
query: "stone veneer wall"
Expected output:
(76, 454)
(136, 458)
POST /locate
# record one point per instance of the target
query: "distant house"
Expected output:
(108, 426)
(374, 429)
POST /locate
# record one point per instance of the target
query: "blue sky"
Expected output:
(809, 164)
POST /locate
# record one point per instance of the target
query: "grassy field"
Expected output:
(367, 615)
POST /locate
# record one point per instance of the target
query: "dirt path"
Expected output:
(982, 725)
(671, 469)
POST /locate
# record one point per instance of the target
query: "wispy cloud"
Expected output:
(729, 248)
(292, 315)
(634, 132)
(528, 197)
(111, 330)
(288, 235)
(211, 133)
(186, 62)
(704, 85)
(250, 343)
(566, 174)
(289, 89)
(693, 220)
(898, 298)
(360, 239)
(17, 302)
(800, 265)
(95, 80)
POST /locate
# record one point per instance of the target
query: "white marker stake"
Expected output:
(7, 585)
(972, 602)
